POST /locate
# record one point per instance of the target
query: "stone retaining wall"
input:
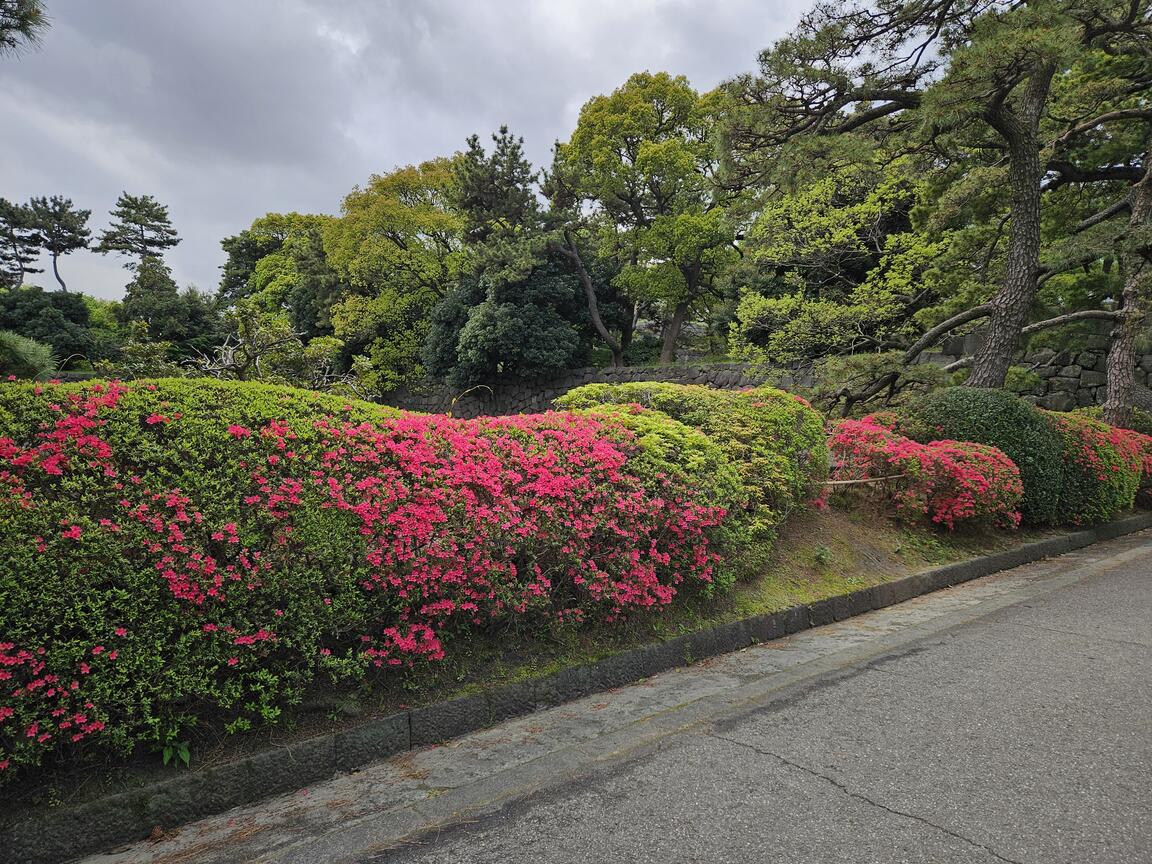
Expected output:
(1068, 378)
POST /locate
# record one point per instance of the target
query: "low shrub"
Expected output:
(1004, 421)
(178, 553)
(949, 482)
(775, 440)
(1141, 421)
(1102, 468)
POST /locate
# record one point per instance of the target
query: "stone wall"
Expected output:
(536, 395)
(1069, 378)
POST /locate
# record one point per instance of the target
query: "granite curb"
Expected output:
(127, 816)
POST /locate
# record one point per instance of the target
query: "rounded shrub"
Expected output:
(183, 553)
(1004, 421)
(775, 440)
(951, 483)
(1102, 468)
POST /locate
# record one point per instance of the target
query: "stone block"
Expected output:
(1058, 402)
(443, 720)
(376, 739)
(1090, 378)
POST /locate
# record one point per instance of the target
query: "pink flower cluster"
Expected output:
(950, 482)
(372, 542)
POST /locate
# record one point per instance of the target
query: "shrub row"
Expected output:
(181, 552)
(1076, 470)
(775, 440)
(949, 482)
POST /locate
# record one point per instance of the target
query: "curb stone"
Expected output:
(128, 816)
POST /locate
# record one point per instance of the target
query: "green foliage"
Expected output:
(153, 299)
(1141, 421)
(1006, 422)
(397, 246)
(140, 229)
(493, 193)
(63, 228)
(19, 244)
(854, 384)
(775, 440)
(53, 317)
(644, 157)
(140, 357)
(25, 358)
(833, 266)
(22, 22)
(1099, 481)
(490, 329)
(280, 265)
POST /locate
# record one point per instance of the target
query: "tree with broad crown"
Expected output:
(140, 228)
(19, 244)
(645, 159)
(981, 69)
(397, 247)
(62, 228)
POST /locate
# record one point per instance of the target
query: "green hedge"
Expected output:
(1101, 475)
(775, 440)
(1076, 470)
(1004, 421)
(194, 554)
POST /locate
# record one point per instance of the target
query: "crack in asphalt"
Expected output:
(1089, 636)
(864, 798)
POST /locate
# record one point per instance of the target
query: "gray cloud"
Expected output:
(226, 110)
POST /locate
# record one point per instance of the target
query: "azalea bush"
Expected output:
(179, 553)
(1004, 421)
(1102, 468)
(775, 440)
(948, 482)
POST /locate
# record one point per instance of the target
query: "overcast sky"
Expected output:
(228, 109)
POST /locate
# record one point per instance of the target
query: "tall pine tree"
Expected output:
(141, 229)
(63, 229)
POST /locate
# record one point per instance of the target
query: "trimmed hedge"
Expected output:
(183, 553)
(1076, 470)
(1006, 422)
(1102, 469)
(775, 440)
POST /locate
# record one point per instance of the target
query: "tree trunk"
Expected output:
(1120, 374)
(628, 331)
(56, 273)
(572, 252)
(672, 334)
(1010, 307)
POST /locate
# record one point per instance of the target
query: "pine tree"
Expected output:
(21, 23)
(62, 228)
(19, 244)
(140, 228)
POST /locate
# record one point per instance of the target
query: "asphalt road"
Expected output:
(1008, 719)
